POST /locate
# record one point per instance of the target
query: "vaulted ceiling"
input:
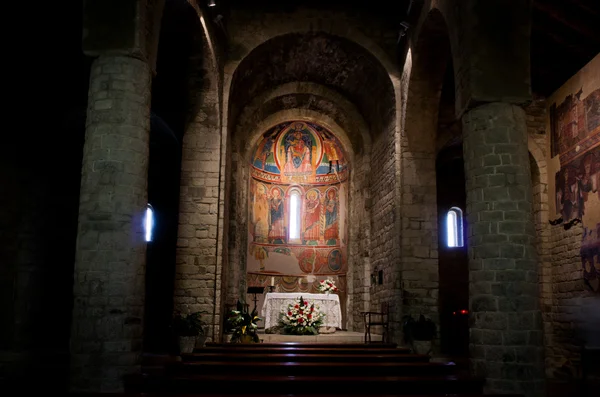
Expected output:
(565, 34)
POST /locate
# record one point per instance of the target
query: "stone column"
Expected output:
(506, 334)
(106, 338)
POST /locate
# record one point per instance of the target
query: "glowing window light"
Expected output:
(294, 216)
(149, 222)
(454, 228)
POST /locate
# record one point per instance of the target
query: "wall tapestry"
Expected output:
(297, 206)
(575, 138)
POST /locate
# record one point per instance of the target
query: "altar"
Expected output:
(276, 302)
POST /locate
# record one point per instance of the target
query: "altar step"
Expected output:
(306, 369)
(336, 337)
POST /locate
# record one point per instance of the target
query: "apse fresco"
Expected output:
(297, 207)
(575, 138)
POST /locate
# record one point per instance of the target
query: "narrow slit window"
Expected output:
(454, 227)
(295, 201)
(149, 222)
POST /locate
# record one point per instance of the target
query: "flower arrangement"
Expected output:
(242, 324)
(327, 286)
(302, 318)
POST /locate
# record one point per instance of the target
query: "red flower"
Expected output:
(322, 281)
(295, 307)
(289, 313)
(309, 316)
(305, 303)
(301, 312)
(312, 309)
(300, 320)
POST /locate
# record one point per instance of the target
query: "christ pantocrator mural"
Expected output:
(297, 207)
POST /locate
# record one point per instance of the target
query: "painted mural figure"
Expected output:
(333, 151)
(312, 218)
(260, 214)
(298, 152)
(277, 227)
(568, 195)
(266, 151)
(331, 218)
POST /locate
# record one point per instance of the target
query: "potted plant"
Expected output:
(242, 324)
(188, 327)
(419, 334)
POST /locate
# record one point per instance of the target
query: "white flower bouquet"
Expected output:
(302, 318)
(327, 286)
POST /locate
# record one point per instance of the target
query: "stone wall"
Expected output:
(384, 252)
(537, 135)
(198, 265)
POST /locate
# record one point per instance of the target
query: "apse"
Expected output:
(297, 209)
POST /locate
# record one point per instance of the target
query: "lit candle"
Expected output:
(272, 281)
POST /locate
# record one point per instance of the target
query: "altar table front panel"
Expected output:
(276, 302)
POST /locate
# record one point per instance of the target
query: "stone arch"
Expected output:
(425, 69)
(201, 241)
(236, 284)
(539, 184)
(303, 23)
(309, 96)
(355, 60)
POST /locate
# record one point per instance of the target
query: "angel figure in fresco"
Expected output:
(312, 218)
(260, 214)
(331, 217)
(266, 150)
(276, 227)
(298, 152)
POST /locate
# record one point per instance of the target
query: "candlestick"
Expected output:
(272, 281)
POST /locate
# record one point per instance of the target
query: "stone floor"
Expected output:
(336, 337)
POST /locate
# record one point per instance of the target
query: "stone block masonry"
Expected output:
(506, 339)
(107, 327)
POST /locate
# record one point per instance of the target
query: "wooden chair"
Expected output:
(377, 319)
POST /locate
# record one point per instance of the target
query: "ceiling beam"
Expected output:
(575, 24)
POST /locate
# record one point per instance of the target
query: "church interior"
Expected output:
(436, 158)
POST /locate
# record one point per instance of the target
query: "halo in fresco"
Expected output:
(300, 152)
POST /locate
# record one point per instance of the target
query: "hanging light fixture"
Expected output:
(211, 3)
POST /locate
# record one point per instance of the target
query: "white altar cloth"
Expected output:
(275, 302)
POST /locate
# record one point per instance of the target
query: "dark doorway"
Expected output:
(453, 265)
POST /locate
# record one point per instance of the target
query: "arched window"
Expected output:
(295, 218)
(149, 222)
(454, 227)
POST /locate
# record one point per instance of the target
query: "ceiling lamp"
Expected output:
(211, 3)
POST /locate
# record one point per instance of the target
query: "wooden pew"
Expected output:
(292, 349)
(304, 357)
(317, 369)
(302, 344)
(242, 384)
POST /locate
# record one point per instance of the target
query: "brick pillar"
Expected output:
(106, 337)
(506, 334)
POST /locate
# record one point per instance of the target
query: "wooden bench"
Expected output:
(317, 369)
(304, 357)
(301, 344)
(293, 349)
(242, 384)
